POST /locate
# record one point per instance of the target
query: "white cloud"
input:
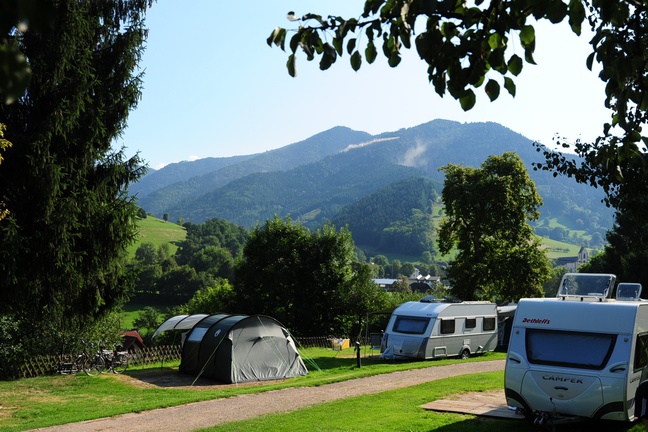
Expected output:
(412, 157)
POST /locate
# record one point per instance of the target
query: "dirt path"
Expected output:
(208, 413)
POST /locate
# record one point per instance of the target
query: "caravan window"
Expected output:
(569, 349)
(489, 324)
(641, 351)
(471, 323)
(447, 326)
(411, 325)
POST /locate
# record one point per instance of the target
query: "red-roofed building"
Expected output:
(132, 341)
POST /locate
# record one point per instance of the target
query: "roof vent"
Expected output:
(627, 291)
(586, 286)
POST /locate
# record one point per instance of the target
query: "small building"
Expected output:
(132, 341)
(386, 284)
(572, 263)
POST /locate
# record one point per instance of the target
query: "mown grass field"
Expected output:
(40, 402)
(158, 232)
(59, 399)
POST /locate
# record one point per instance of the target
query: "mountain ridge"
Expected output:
(313, 180)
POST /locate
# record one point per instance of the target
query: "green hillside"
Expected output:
(158, 232)
(556, 249)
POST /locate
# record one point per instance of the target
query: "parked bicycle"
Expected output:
(70, 366)
(82, 362)
(115, 360)
(94, 364)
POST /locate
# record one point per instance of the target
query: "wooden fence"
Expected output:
(48, 365)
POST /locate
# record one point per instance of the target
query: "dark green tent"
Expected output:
(240, 348)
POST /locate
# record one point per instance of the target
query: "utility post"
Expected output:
(357, 348)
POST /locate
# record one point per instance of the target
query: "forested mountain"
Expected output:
(396, 218)
(181, 172)
(313, 180)
(310, 193)
(166, 195)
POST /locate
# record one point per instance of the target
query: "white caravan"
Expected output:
(580, 355)
(434, 329)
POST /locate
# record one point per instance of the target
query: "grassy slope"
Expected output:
(158, 232)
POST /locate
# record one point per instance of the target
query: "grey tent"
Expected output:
(240, 348)
(179, 322)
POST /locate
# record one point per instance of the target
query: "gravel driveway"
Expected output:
(208, 413)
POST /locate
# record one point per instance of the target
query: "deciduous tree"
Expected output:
(301, 278)
(487, 210)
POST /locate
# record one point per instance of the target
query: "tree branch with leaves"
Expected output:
(460, 44)
(471, 46)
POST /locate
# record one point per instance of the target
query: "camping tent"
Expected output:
(240, 348)
(179, 322)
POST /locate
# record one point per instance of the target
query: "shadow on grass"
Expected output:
(491, 425)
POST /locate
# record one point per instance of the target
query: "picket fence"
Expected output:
(48, 364)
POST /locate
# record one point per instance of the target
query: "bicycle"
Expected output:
(94, 365)
(115, 360)
(69, 366)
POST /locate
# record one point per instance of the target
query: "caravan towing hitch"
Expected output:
(545, 420)
(541, 419)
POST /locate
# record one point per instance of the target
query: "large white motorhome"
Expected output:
(431, 329)
(580, 355)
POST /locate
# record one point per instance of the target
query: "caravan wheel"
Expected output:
(465, 354)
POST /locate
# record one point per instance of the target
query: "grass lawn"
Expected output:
(40, 402)
(129, 315)
(556, 249)
(45, 401)
(400, 410)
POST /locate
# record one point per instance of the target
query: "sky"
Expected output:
(212, 87)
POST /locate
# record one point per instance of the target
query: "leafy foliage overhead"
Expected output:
(461, 44)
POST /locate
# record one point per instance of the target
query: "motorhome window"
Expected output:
(569, 349)
(447, 326)
(471, 323)
(489, 324)
(641, 351)
(411, 325)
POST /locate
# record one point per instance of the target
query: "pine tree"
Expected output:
(63, 242)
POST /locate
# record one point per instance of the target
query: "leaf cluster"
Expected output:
(461, 44)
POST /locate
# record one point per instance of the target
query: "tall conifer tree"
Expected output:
(70, 220)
